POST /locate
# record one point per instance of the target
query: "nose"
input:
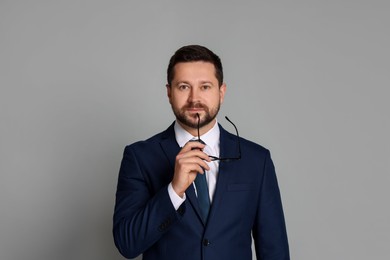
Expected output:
(193, 96)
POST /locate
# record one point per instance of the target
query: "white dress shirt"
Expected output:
(211, 139)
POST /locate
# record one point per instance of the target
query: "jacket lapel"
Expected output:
(169, 145)
(228, 148)
(171, 149)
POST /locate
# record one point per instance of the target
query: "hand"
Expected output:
(190, 161)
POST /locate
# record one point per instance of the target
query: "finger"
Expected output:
(193, 157)
(193, 145)
(195, 154)
(193, 164)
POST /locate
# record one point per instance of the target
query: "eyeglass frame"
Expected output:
(222, 159)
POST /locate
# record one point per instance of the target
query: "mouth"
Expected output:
(195, 108)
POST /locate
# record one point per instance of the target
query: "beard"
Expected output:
(191, 120)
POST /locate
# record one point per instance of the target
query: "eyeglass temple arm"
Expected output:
(238, 136)
(197, 114)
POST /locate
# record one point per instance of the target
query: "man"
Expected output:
(163, 209)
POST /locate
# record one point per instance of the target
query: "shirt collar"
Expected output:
(211, 138)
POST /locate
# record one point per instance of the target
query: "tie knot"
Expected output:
(197, 140)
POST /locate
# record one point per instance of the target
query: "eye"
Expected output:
(205, 87)
(183, 87)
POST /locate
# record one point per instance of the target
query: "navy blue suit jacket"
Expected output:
(246, 201)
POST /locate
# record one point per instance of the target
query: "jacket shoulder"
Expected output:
(152, 141)
(245, 144)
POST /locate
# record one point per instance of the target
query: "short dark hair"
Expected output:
(192, 53)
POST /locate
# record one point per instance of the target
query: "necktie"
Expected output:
(202, 192)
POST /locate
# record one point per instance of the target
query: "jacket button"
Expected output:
(161, 227)
(206, 242)
(181, 210)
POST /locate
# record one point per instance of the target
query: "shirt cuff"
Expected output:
(176, 199)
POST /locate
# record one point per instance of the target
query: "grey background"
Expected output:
(81, 79)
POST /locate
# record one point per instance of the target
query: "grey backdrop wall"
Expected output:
(81, 79)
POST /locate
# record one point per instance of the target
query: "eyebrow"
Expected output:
(181, 82)
(202, 82)
(208, 82)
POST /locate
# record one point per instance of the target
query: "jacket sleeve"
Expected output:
(141, 216)
(269, 232)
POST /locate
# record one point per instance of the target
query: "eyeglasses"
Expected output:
(225, 159)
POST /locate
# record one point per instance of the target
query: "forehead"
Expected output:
(194, 70)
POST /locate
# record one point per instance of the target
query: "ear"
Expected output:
(222, 91)
(169, 92)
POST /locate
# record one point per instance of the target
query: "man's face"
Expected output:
(195, 90)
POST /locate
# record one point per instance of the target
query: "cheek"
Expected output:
(177, 100)
(217, 99)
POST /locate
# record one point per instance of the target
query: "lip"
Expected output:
(195, 109)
